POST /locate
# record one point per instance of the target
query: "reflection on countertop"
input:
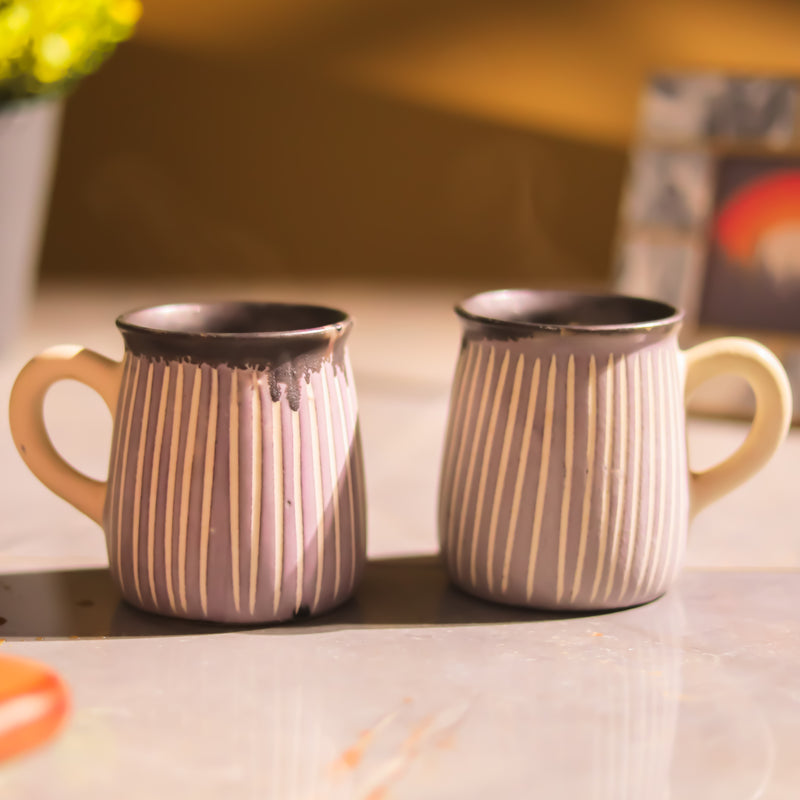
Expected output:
(419, 689)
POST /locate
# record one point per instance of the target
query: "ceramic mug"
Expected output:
(565, 482)
(235, 487)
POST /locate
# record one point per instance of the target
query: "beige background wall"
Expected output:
(383, 138)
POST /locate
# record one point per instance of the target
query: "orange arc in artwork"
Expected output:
(34, 703)
(761, 205)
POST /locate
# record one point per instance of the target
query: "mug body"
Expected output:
(236, 489)
(564, 481)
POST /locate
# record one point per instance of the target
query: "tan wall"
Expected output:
(429, 138)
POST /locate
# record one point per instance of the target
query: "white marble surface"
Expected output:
(694, 696)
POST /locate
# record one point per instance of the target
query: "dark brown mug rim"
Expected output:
(668, 316)
(340, 321)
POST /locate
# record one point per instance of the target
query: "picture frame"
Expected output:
(710, 216)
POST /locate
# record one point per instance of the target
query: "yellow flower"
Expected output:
(125, 12)
(53, 58)
(46, 45)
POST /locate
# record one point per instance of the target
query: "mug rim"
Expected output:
(669, 316)
(341, 321)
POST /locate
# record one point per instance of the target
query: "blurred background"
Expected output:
(424, 139)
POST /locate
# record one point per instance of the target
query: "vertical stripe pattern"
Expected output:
(172, 479)
(564, 480)
(120, 458)
(256, 435)
(229, 504)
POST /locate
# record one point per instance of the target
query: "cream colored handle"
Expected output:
(26, 415)
(767, 377)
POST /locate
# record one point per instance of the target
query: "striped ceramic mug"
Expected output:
(235, 489)
(565, 482)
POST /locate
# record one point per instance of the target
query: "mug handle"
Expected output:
(767, 378)
(26, 417)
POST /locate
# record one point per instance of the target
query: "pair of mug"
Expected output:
(236, 488)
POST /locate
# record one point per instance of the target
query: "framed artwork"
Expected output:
(710, 217)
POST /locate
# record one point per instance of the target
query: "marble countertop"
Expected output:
(413, 690)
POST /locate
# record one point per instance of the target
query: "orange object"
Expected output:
(764, 203)
(33, 705)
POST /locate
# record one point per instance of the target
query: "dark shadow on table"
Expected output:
(413, 591)
(63, 604)
(395, 592)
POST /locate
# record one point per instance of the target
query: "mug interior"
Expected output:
(232, 319)
(566, 310)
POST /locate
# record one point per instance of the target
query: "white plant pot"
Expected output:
(28, 145)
